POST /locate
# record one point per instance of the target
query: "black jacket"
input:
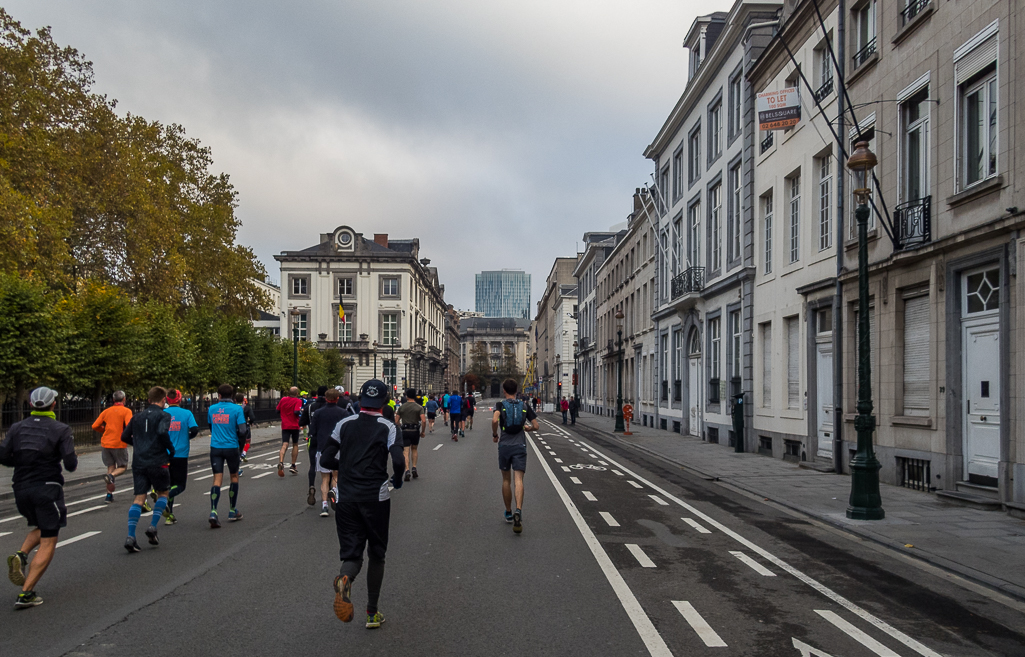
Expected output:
(324, 421)
(147, 431)
(358, 447)
(35, 448)
(306, 415)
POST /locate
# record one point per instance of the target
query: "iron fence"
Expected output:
(863, 55)
(691, 279)
(913, 8)
(914, 473)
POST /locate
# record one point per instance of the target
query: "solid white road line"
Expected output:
(566, 469)
(856, 634)
(754, 565)
(607, 517)
(90, 499)
(633, 483)
(659, 500)
(574, 480)
(209, 476)
(92, 508)
(617, 473)
(779, 563)
(640, 556)
(702, 628)
(274, 456)
(695, 525)
(589, 496)
(440, 445)
(75, 539)
(645, 629)
(264, 474)
(558, 460)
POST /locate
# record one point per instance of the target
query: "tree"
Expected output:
(480, 361)
(30, 344)
(510, 368)
(334, 367)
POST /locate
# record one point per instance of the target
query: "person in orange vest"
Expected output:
(112, 421)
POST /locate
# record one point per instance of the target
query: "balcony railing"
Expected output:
(913, 223)
(824, 90)
(767, 142)
(862, 55)
(913, 8)
(690, 280)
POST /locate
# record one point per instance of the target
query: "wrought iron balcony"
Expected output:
(913, 223)
(767, 142)
(913, 8)
(862, 55)
(690, 280)
(824, 90)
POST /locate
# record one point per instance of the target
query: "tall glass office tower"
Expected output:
(503, 293)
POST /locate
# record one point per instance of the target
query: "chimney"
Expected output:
(382, 239)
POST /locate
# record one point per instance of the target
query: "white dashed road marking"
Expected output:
(640, 556)
(440, 445)
(603, 462)
(265, 474)
(702, 628)
(617, 473)
(607, 517)
(92, 508)
(209, 476)
(574, 480)
(558, 460)
(75, 539)
(565, 469)
(659, 500)
(2, 534)
(589, 496)
(754, 565)
(632, 483)
(856, 634)
(690, 521)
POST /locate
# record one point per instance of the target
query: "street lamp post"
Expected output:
(375, 359)
(295, 346)
(865, 502)
(620, 427)
(575, 357)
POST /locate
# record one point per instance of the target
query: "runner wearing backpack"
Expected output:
(513, 417)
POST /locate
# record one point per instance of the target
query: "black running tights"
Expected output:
(375, 578)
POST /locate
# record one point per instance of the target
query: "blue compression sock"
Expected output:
(215, 495)
(158, 510)
(233, 495)
(134, 512)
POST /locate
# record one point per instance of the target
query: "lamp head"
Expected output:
(619, 314)
(861, 162)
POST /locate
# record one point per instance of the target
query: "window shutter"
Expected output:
(793, 363)
(767, 365)
(979, 58)
(916, 356)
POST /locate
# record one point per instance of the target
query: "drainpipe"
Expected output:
(838, 421)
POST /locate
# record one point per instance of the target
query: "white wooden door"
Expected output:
(824, 393)
(693, 395)
(981, 367)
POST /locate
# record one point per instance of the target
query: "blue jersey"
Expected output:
(225, 417)
(181, 421)
(454, 404)
(432, 406)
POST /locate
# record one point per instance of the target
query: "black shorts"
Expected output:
(454, 418)
(221, 455)
(43, 507)
(156, 477)
(410, 438)
(362, 525)
(179, 471)
(512, 456)
(431, 416)
(469, 412)
(290, 436)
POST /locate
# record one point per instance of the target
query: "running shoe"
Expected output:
(281, 469)
(293, 469)
(151, 534)
(110, 482)
(332, 497)
(343, 605)
(214, 522)
(17, 563)
(455, 438)
(462, 434)
(324, 513)
(132, 545)
(109, 498)
(508, 516)
(311, 498)
(234, 515)
(170, 520)
(28, 599)
(517, 525)
(415, 475)
(244, 459)
(407, 476)
(374, 621)
(146, 508)
(153, 495)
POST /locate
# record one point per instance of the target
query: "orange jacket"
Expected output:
(112, 422)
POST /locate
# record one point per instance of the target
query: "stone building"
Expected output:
(556, 329)
(597, 247)
(504, 342)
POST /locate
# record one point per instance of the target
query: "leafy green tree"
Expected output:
(334, 368)
(30, 344)
(480, 361)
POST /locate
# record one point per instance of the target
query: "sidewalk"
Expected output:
(91, 468)
(985, 546)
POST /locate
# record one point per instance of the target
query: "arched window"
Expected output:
(695, 343)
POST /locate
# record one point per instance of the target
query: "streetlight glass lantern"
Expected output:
(861, 162)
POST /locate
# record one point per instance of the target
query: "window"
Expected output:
(694, 155)
(390, 329)
(767, 234)
(824, 64)
(715, 131)
(979, 129)
(677, 173)
(389, 287)
(715, 206)
(694, 235)
(677, 365)
(793, 362)
(734, 229)
(389, 371)
(345, 287)
(864, 32)
(736, 327)
(982, 291)
(663, 187)
(345, 328)
(300, 286)
(677, 240)
(302, 323)
(663, 270)
(916, 355)
(795, 218)
(665, 367)
(714, 338)
(825, 207)
(767, 365)
(735, 99)
(915, 117)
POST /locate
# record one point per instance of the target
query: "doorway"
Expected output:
(980, 367)
(694, 383)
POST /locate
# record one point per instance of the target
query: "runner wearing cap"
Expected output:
(183, 429)
(358, 448)
(149, 432)
(36, 448)
(114, 453)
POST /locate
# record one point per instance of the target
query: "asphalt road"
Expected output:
(620, 555)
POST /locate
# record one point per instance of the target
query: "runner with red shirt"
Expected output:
(289, 407)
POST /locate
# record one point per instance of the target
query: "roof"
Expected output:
(510, 324)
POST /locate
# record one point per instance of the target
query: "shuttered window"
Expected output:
(916, 356)
(767, 365)
(976, 59)
(793, 363)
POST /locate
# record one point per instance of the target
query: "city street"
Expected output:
(620, 555)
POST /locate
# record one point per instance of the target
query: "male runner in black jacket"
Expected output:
(306, 420)
(35, 448)
(149, 432)
(325, 419)
(358, 448)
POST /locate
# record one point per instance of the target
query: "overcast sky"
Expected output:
(496, 131)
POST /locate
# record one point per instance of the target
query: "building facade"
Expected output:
(597, 247)
(504, 293)
(269, 318)
(552, 323)
(502, 341)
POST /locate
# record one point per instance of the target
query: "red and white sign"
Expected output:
(778, 109)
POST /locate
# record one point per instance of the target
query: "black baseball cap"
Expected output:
(373, 394)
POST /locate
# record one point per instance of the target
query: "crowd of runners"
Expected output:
(349, 441)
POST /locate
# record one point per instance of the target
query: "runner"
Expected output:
(36, 447)
(455, 417)
(325, 419)
(432, 412)
(412, 422)
(514, 417)
(183, 429)
(149, 433)
(358, 449)
(311, 443)
(444, 408)
(469, 405)
(227, 431)
(242, 401)
(290, 407)
(112, 421)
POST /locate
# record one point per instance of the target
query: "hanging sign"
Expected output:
(778, 109)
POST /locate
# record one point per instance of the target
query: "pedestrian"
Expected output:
(242, 401)
(444, 407)
(322, 423)
(183, 430)
(455, 415)
(36, 448)
(509, 424)
(469, 403)
(289, 407)
(412, 421)
(432, 412)
(359, 448)
(305, 419)
(227, 434)
(149, 433)
(574, 410)
(114, 453)
(564, 407)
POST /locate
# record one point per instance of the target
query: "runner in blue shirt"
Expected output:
(432, 412)
(183, 429)
(227, 431)
(455, 417)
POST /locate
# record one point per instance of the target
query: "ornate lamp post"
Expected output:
(865, 502)
(576, 355)
(375, 359)
(620, 427)
(295, 345)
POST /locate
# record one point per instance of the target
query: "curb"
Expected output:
(976, 577)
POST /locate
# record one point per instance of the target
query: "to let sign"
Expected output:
(778, 109)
